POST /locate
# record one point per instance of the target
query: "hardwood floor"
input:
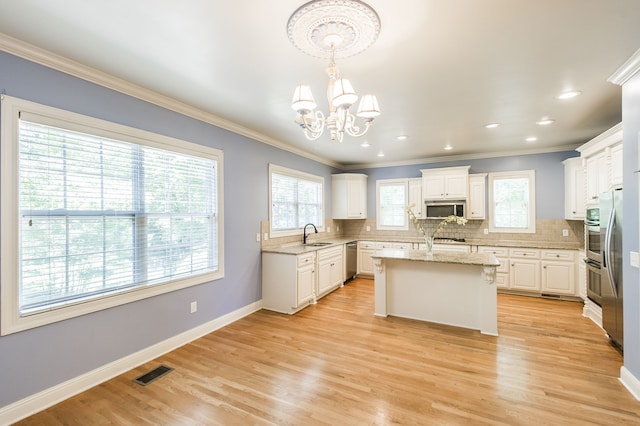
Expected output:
(336, 363)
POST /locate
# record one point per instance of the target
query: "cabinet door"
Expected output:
(477, 203)
(305, 284)
(616, 167)
(415, 197)
(575, 192)
(559, 278)
(525, 275)
(365, 262)
(433, 187)
(337, 272)
(593, 164)
(455, 187)
(356, 200)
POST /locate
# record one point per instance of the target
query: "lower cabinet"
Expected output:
(330, 269)
(365, 262)
(288, 281)
(540, 271)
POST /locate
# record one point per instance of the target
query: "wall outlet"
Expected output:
(486, 231)
(565, 232)
(258, 237)
(337, 228)
(265, 236)
(328, 229)
(194, 307)
(368, 228)
(634, 259)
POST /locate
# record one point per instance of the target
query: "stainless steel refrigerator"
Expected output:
(611, 278)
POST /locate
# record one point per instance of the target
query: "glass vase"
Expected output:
(428, 244)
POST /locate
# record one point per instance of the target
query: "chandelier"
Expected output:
(330, 29)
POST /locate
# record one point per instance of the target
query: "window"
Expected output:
(512, 202)
(99, 214)
(296, 198)
(392, 203)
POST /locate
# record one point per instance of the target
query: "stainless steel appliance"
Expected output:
(351, 257)
(442, 209)
(611, 277)
(592, 234)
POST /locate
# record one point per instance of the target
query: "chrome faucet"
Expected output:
(304, 232)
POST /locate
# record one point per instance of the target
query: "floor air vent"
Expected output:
(152, 375)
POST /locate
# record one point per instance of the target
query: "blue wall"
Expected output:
(40, 358)
(549, 177)
(631, 290)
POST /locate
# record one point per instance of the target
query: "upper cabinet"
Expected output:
(349, 196)
(476, 207)
(415, 197)
(602, 160)
(448, 183)
(574, 189)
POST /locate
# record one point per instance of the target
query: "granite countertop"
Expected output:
(484, 259)
(299, 248)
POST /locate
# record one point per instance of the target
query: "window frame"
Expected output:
(392, 182)
(519, 174)
(11, 320)
(296, 174)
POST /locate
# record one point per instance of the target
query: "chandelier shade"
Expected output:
(330, 29)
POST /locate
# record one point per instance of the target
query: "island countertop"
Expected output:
(484, 259)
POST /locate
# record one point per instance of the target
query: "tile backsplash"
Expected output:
(546, 230)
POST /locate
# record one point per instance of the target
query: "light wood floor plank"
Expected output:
(336, 363)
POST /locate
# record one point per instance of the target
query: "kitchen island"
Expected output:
(448, 288)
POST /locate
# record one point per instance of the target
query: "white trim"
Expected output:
(626, 70)
(607, 138)
(32, 404)
(60, 63)
(631, 382)
(531, 176)
(592, 311)
(395, 182)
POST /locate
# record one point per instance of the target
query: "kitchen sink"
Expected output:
(318, 244)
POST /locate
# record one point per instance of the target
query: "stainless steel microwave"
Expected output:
(442, 209)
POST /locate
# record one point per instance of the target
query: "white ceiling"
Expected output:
(441, 69)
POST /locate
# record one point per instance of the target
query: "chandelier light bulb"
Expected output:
(303, 101)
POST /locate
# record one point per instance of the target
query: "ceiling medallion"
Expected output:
(329, 29)
(322, 28)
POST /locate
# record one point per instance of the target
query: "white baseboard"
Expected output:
(631, 382)
(592, 311)
(48, 397)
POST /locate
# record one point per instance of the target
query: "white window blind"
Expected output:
(99, 216)
(392, 202)
(512, 201)
(296, 199)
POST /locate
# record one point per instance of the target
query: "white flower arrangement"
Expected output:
(449, 219)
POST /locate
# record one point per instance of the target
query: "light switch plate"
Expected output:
(635, 259)
(565, 232)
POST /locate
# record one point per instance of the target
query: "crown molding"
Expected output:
(604, 139)
(626, 70)
(462, 157)
(68, 66)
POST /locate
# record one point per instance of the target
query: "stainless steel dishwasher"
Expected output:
(351, 259)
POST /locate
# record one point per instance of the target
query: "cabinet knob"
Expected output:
(557, 255)
(544, 267)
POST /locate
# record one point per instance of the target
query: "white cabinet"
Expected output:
(448, 183)
(415, 197)
(288, 281)
(524, 269)
(574, 189)
(349, 196)
(330, 269)
(476, 208)
(615, 155)
(597, 171)
(558, 269)
(365, 262)
(602, 157)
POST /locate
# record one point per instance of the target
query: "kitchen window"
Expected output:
(512, 202)
(296, 198)
(96, 214)
(392, 195)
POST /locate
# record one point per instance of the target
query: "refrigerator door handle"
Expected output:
(607, 248)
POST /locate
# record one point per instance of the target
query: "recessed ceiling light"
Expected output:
(545, 121)
(491, 125)
(365, 144)
(448, 147)
(569, 94)
(531, 139)
(402, 137)
(381, 154)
